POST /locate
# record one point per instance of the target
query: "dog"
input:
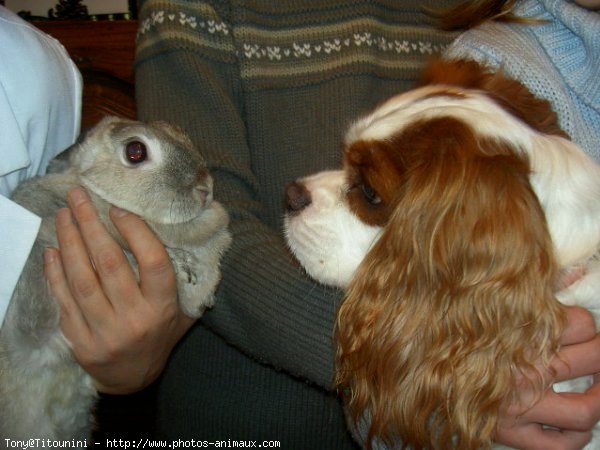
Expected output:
(459, 206)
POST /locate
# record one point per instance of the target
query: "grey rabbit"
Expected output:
(150, 169)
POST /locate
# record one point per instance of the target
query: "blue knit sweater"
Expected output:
(558, 60)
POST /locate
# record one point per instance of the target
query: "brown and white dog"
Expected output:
(459, 205)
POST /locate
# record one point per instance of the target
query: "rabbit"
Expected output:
(150, 169)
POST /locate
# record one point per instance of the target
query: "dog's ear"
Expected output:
(454, 302)
(509, 93)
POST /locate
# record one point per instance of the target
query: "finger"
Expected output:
(567, 410)
(580, 326)
(535, 437)
(157, 276)
(115, 275)
(71, 319)
(81, 277)
(577, 360)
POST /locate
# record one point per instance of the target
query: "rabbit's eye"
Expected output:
(135, 152)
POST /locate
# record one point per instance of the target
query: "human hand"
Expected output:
(121, 331)
(569, 415)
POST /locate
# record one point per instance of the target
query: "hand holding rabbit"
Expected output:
(121, 332)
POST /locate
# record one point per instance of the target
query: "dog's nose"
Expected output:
(297, 197)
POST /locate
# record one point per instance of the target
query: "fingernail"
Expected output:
(118, 212)
(77, 195)
(49, 255)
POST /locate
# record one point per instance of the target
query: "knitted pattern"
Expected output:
(558, 60)
(299, 51)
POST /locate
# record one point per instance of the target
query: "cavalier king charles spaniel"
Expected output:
(459, 207)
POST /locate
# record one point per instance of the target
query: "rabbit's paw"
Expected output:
(194, 300)
(184, 264)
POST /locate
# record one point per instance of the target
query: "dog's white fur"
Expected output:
(326, 237)
(330, 241)
(43, 391)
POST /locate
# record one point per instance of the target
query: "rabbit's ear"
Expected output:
(453, 299)
(69, 157)
(92, 144)
(62, 161)
(81, 156)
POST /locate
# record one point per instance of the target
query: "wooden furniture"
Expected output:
(104, 51)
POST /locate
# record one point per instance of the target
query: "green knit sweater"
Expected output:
(266, 90)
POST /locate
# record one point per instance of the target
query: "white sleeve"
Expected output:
(18, 229)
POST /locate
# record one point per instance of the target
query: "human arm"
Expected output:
(265, 304)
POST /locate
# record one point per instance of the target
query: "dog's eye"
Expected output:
(370, 195)
(135, 152)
